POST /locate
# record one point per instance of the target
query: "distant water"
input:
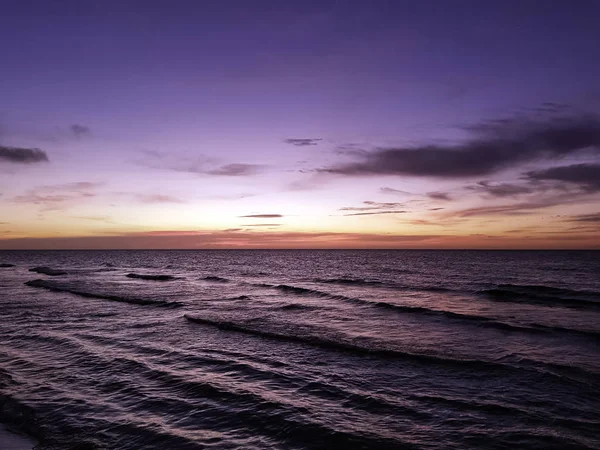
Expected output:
(301, 349)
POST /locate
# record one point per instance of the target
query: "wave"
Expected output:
(486, 322)
(322, 342)
(544, 295)
(481, 321)
(6, 265)
(349, 281)
(495, 366)
(296, 290)
(48, 271)
(216, 279)
(157, 277)
(554, 329)
(501, 408)
(375, 283)
(56, 287)
(294, 306)
(382, 284)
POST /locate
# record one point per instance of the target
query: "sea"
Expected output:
(301, 349)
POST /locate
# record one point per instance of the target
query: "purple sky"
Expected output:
(435, 124)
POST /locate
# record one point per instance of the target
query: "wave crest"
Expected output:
(59, 287)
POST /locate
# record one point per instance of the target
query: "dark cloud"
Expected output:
(79, 130)
(302, 142)
(501, 189)
(236, 170)
(439, 196)
(492, 146)
(587, 176)
(19, 155)
(586, 218)
(263, 216)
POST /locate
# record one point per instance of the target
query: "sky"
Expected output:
(299, 124)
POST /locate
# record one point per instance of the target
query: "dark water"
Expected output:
(302, 349)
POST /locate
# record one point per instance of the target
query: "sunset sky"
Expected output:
(314, 124)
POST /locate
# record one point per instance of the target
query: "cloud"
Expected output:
(372, 208)
(501, 189)
(302, 142)
(374, 213)
(389, 190)
(262, 216)
(19, 155)
(157, 198)
(201, 165)
(76, 186)
(371, 205)
(79, 130)
(263, 225)
(587, 176)
(587, 218)
(491, 147)
(236, 170)
(104, 219)
(58, 197)
(520, 208)
(439, 196)
(189, 239)
(195, 239)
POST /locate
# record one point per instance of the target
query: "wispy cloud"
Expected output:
(198, 164)
(389, 190)
(520, 208)
(80, 131)
(236, 170)
(157, 198)
(372, 213)
(262, 216)
(445, 196)
(369, 205)
(18, 155)
(501, 189)
(263, 225)
(302, 142)
(58, 197)
(370, 208)
(104, 219)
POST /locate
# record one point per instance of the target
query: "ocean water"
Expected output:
(301, 349)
